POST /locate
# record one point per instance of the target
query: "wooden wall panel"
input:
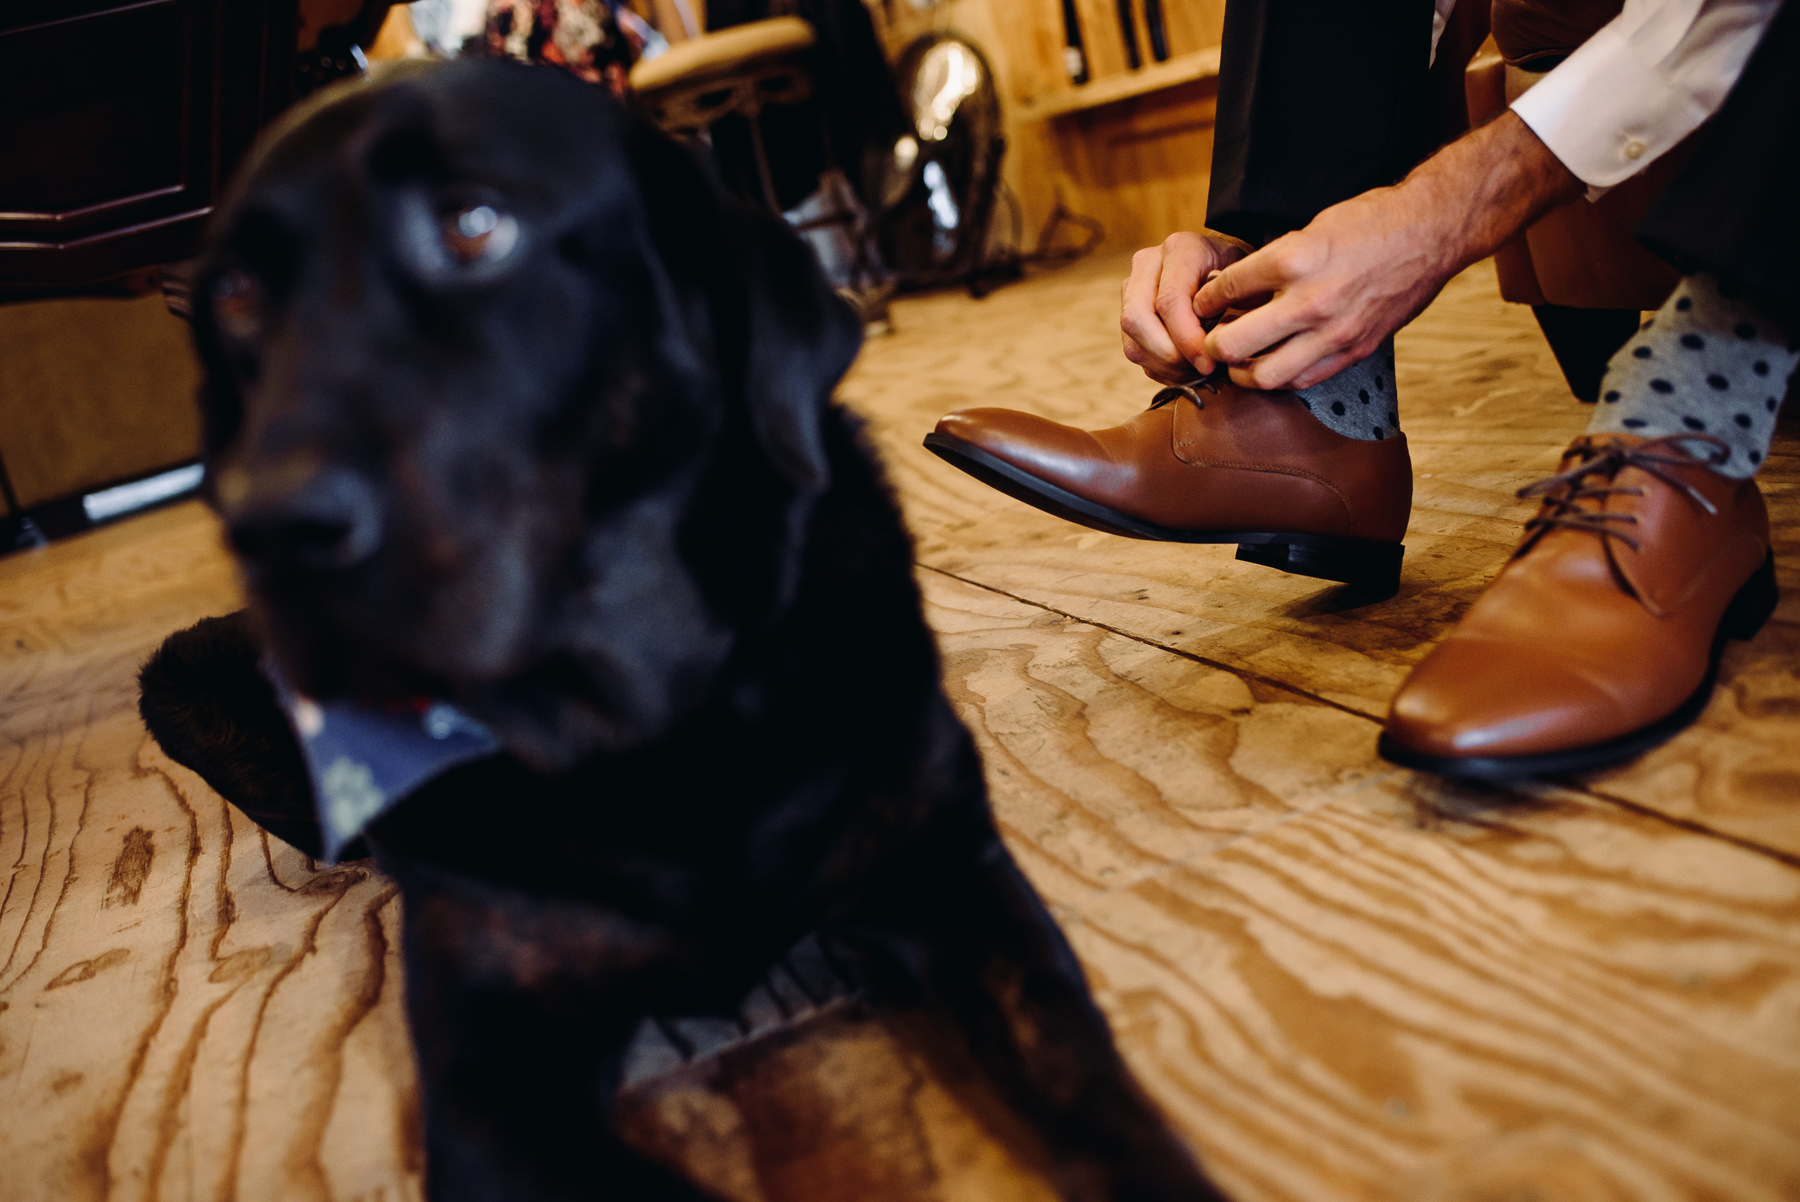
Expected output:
(1143, 164)
(1192, 24)
(1190, 27)
(93, 391)
(1140, 167)
(1100, 33)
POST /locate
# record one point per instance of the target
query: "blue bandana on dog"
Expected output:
(363, 761)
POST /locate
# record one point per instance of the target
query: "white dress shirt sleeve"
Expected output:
(1645, 81)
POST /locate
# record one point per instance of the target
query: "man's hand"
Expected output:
(1162, 332)
(1326, 296)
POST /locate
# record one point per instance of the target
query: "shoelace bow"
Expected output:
(1563, 510)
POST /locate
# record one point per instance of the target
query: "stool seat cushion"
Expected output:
(723, 54)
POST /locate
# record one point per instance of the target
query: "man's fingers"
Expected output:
(1156, 309)
(1138, 293)
(1257, 332)
(1180, 371)
(1243, 283)
(1175, 309)
(1147, 343)
(1188, 260)
(1161, 328)
(1300, 362)
(1164, 371)
(1324, 369)
(1242, 305)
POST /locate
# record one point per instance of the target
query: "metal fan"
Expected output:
(938, 201)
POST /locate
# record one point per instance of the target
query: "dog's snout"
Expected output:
(301, 513)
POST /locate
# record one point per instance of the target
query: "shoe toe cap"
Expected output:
(1000, 430)
(1469, 698)
(1061, 455)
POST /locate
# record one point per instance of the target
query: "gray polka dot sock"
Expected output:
(1360, 401)
(1709, 362)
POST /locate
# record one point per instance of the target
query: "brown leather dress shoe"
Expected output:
(1601, 637)
(1207, 463)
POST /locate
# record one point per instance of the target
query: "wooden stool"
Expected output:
(737, 70)
(741, 70)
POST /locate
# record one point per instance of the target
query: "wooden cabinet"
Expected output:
(119, 124)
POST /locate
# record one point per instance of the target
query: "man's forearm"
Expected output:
(1488, 185)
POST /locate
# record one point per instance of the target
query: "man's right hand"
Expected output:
(1161, 331)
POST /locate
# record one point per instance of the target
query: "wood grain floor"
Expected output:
(1342, 980)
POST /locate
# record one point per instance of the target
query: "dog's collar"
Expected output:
(364, 760)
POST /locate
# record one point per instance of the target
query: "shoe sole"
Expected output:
(1748, 610)
(1365, 565)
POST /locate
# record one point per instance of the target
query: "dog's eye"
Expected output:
(454, 240)
(237, 303)
(479, 234)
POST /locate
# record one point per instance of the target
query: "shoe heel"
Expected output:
(1371, 568)
(1753, 605)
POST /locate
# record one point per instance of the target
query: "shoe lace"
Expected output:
(1191, 390)
(1566, 493)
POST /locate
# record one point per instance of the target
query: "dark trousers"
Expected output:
(1735, 208)
(1319, 100)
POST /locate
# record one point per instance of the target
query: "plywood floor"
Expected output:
(1342, 980)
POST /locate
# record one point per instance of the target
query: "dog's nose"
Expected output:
(301, 514)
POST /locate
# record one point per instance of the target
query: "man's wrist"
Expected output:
(1445, 203)
(1489, 185)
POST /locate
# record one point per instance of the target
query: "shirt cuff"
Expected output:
(1606, 113)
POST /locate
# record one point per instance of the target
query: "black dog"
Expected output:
(507, 407)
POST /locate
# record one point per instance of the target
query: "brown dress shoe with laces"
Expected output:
(1601, 636)
(1207, 463)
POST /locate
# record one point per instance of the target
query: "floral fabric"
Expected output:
(579, 36)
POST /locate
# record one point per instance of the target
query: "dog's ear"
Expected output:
(802, 338)
(773, 317)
